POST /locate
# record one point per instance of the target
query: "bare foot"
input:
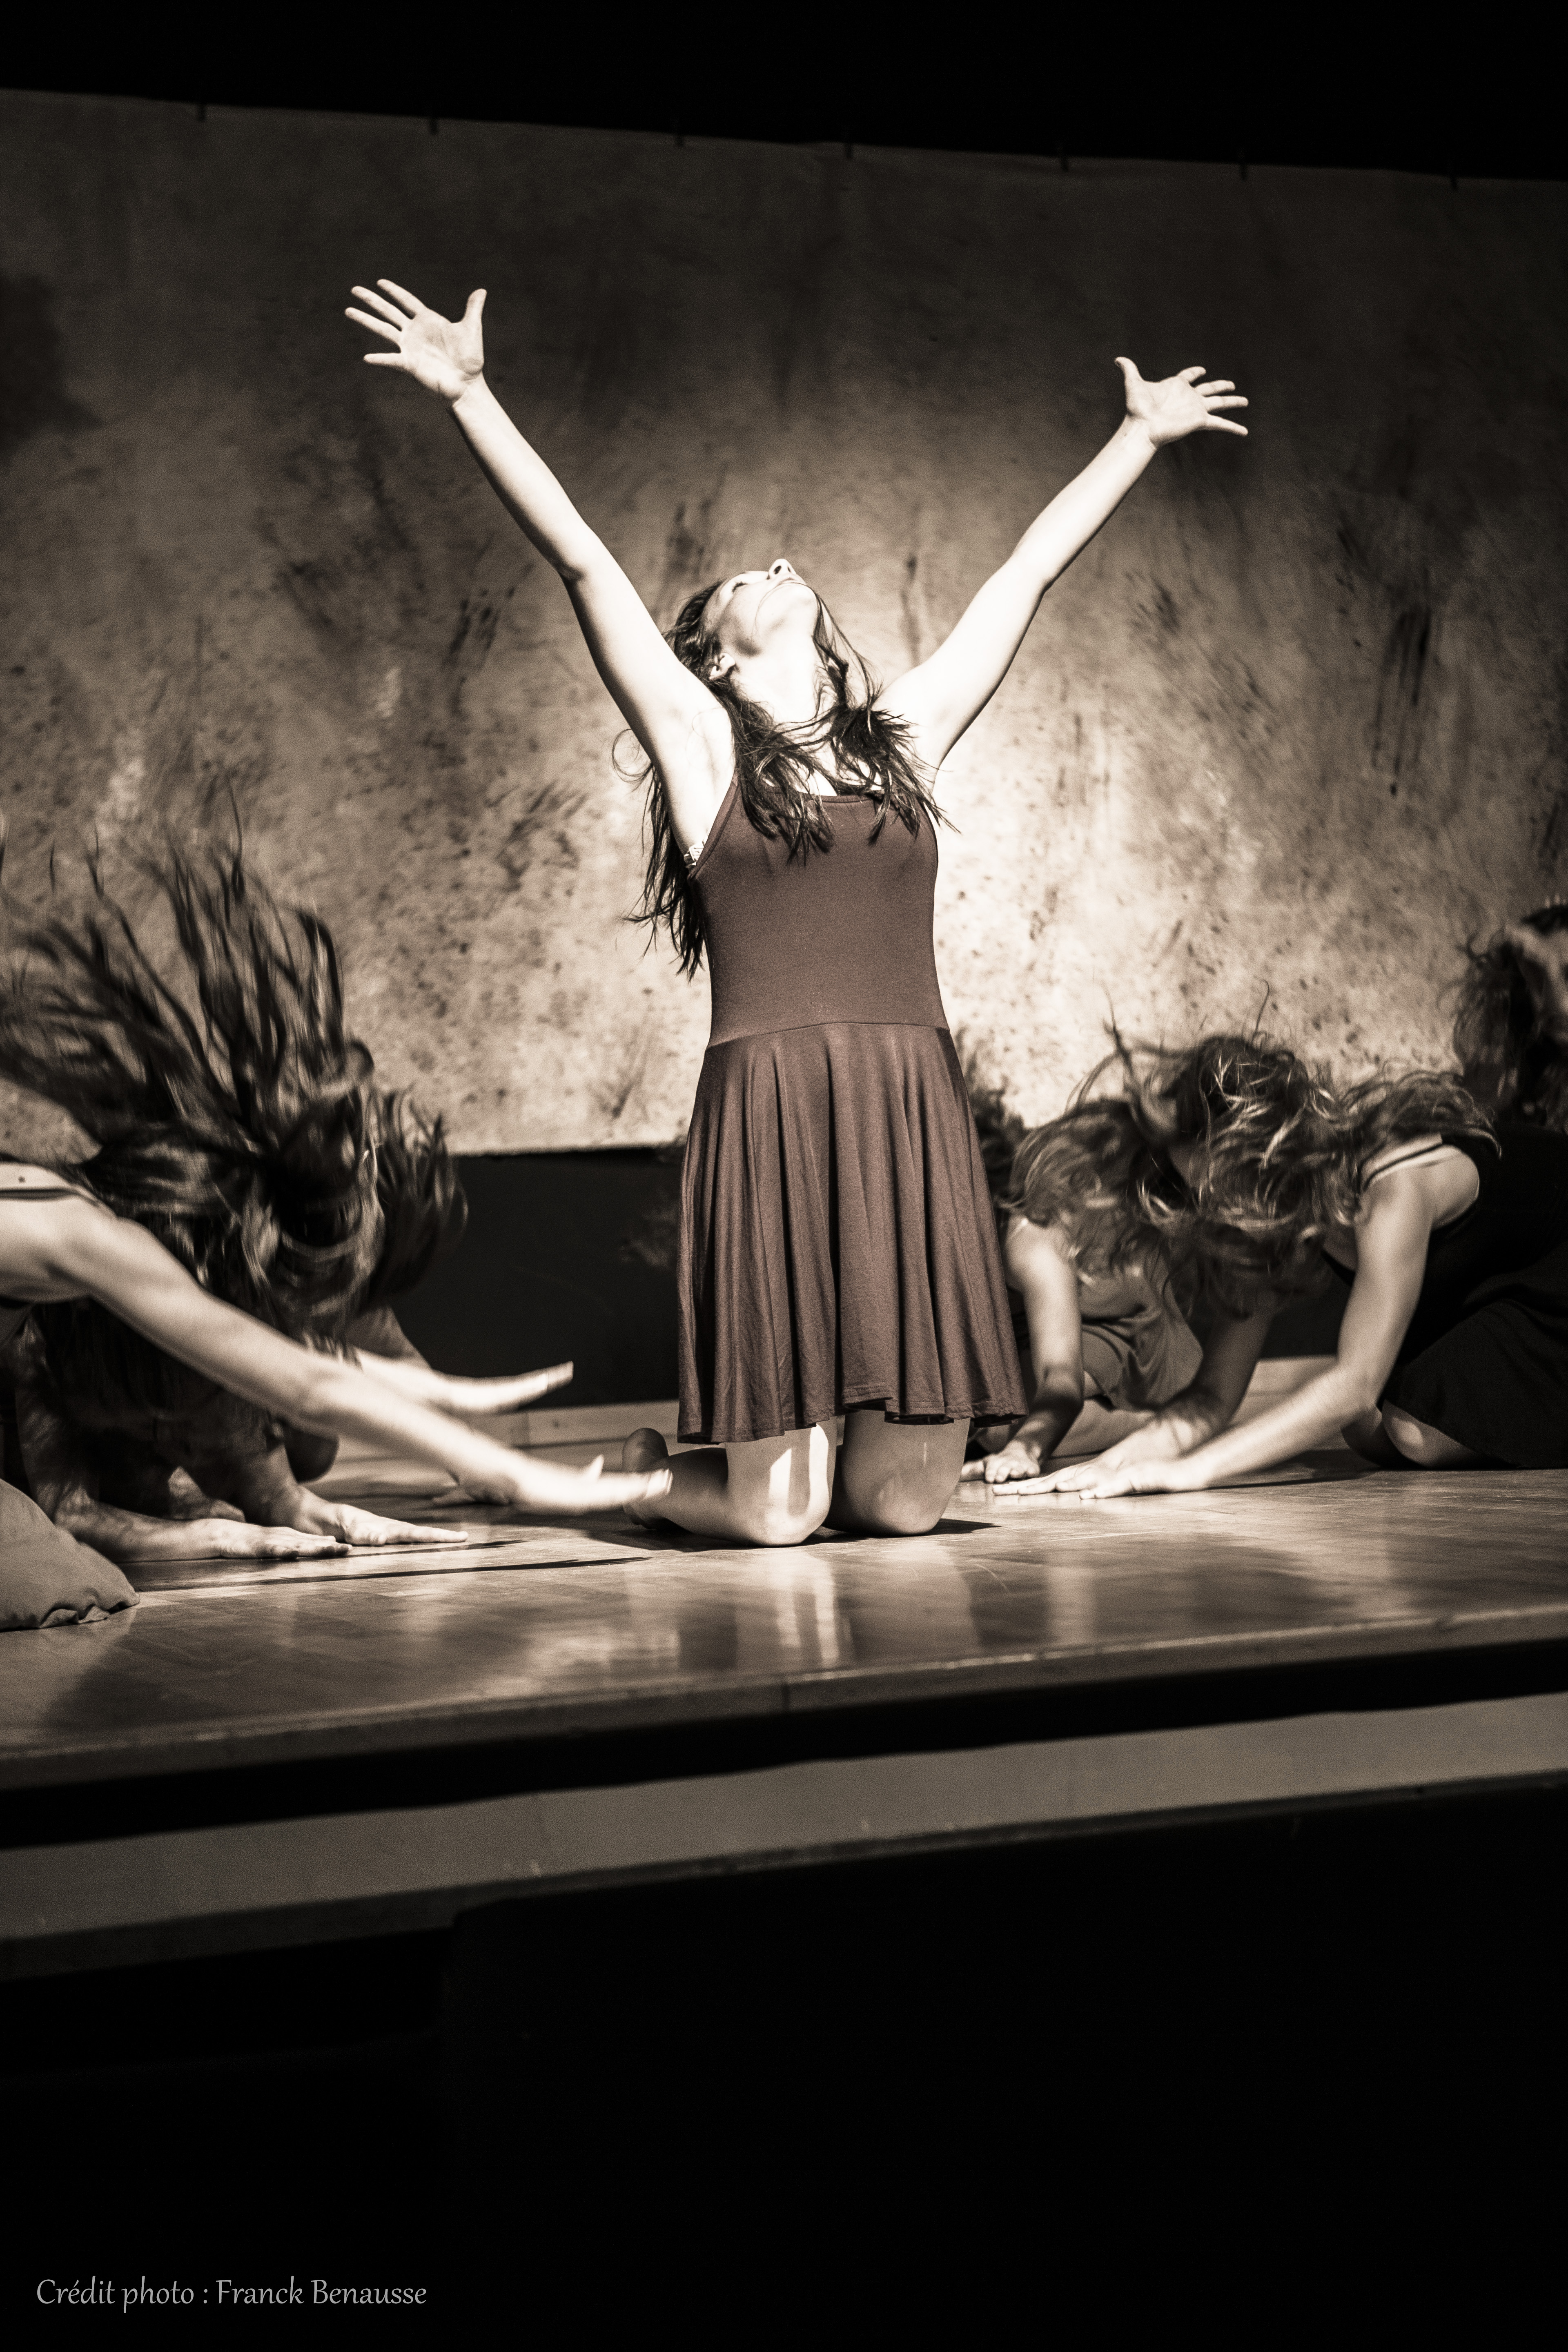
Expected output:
(645, 1449)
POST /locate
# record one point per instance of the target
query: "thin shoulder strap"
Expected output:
(20, 1182)
(1416, 1151)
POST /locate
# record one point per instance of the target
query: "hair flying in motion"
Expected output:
(1282, 1151)
(241, 1131)
(855, 747)
(1086, 1172)
(1513, 1053)
(423, 1207)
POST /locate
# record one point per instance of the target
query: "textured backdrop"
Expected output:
(1295, 721)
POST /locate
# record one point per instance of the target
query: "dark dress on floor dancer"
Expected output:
(1486, 1357)
(837, 1244)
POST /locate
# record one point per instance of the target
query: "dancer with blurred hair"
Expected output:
(1511, 1029)
(210, 1256)
(838, 1253)
(1451, 1235)
(1102, 1341)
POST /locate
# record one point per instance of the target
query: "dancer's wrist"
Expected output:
(471, 396)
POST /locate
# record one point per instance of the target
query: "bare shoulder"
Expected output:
(911, 702)
(47, 1234)
(1040, 1251)
(1425, 1174)
(695, 764)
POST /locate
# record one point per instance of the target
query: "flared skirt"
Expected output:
(839, 1246)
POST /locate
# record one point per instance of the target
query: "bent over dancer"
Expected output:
(838, 1253)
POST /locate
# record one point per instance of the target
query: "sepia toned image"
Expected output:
(784, 1175)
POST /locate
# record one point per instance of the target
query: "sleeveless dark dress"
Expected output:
(1486, 1357)
(837, 1245)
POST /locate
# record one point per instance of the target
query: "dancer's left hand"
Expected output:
(1103, 1476)
(1180, 404)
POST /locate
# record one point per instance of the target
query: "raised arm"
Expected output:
(72, 1248)
(680, 726)
(945, 694)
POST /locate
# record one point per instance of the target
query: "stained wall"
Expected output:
(1293, 724)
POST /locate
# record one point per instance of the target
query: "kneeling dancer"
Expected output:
(838, 1253)
(236, 1167)
(1450, 1234)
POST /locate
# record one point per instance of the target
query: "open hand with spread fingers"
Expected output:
(1148, 1462)
(445, 355)
(1097, 1481)
(1178, 405)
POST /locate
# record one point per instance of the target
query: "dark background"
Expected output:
(572, 1254)
(1355, 92)
(567, 1255)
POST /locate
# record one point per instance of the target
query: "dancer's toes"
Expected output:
(645, 1449)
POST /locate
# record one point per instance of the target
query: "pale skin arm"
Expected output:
(72, 1248)
(1038, 1267)
(1392, 1237)
(1156, 1452)
(444, 1392)
(680, 726)
(944, 695)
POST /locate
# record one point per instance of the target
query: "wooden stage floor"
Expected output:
(378, 1743)
(595, 1626)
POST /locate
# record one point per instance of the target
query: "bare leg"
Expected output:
(895, 1478)
(1367, 1436)
(773, 1491)
(1427, 1448)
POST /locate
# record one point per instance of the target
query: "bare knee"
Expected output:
(1367, 1436)
(1426, 1447)
(890, 1506)
(764, 1521)
(898, 1519)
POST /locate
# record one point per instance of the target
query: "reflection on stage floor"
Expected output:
(541, 1628)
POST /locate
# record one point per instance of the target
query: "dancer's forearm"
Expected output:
(526, 487)
(445, 1393)
(1085, 505)
(1313, 1416)
(118, 1263)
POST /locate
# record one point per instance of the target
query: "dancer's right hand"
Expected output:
(141, 1541)
(1013, 1460)
(536, 1485)
(448, 1392)
(1161, 1442)
(445, 355)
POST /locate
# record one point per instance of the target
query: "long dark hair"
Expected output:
(423, 1209)
(1000, 1129)
(1086, 1172)
(1509, 1061)
(858, 748)
(241, 1132)
(1284, 1152)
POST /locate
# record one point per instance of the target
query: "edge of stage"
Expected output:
(316, 1751)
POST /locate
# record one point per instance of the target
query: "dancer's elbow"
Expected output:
(325, 1397)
